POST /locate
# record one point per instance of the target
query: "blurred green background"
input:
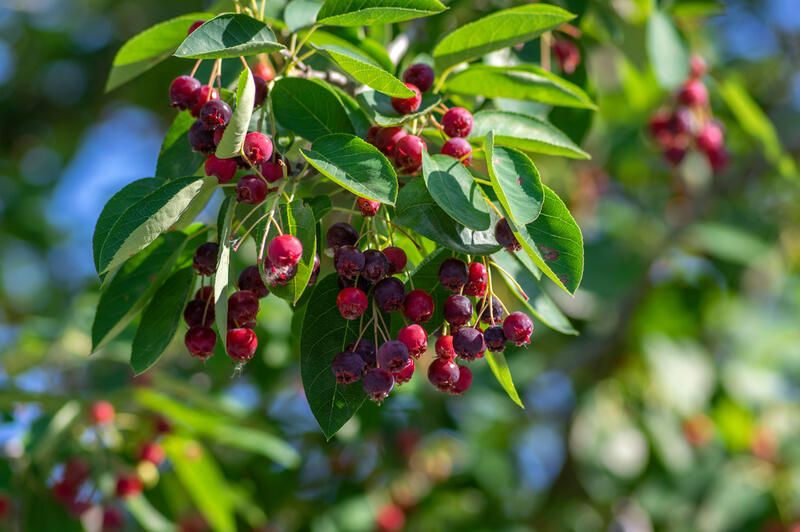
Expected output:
(676, 408)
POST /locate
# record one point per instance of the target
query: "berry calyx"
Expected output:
(393, 355)
(102, 413)
(444, 347)
(251, 189)
(182, 92)
(505, 236)
(397, 259)
(460, 149)
(495, 339)
(349, 261)
(376, 266)
(257, 147)
(368, 207)
(420, 75)
(408, 154)
(406, 106)
(418, 306)
(389, 294)
(457, 310)
(204, 94)
(277, 276)
(405, 374)
(348, 367)
(241, 344)
(201, 139)
(457, 122)
(468, 343)
(205, 258)
(443, 374)
(414, 338)
(215, 114)
(352, 302)
(200, 342)
(199, 313)
(377, 383)
(386, 139)
(341, 234)
(128, 486)
(518, 328)
(250, 280)
(477, 280)
(223, 169)
(285, 250)
(453, 274)
(152, 452)
(693, 93)
(242, 309)
(463, 382)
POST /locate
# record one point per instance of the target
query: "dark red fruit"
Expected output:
(241, 344)
(693, 93)
(201, 96)
(420, 75)
(372, 135)
(272, 171)
(205, 258)
(444, 347)
(218, 137)
(128, 486)
(261, 90)
(196, 24)
(341, 234)
(718, 159)
(505, 236)
(567, 54)
(76, 470)
(250, 280)
(389, 294)
(518, 328)
(457, 310)
(348, 367)
(352, 303)
(257, 148)
(464, 381)
(468, 343)
(393, 355)
(277, 276)
(242, 309)
(477, 281)
(285, 250)
(697, 67)
(349, 261)
(659, 123)
(152, 452)
(443, 374)
(386, 139)
(366, 350)
(205, 293)
(710, 138)
(102, 413)
(494, 315)
(397, 259)
(215, 114)
(457, 122)
(376, 266)
(312, 279)
(405, 374)
(406, 106)
(368, 207)
(408, 154)
(182, 92)
(453, 274)
(675, 153)
(251, 189)
(495, 339)
(223, 169)
(200, 342)
(415, 339)
(460, 149)
(113, 519)
(199, 313)
(201, 139)
(418, 306)
(378, 383)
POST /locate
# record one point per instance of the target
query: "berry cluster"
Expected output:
(690, 123)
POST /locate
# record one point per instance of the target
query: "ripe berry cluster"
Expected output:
(690, 122)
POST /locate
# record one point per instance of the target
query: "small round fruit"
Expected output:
(241, 344)
(418, 306)
(152, 452)
(717, 159)
(420, 75)
(250, 280)
(272, 171)
(710, 138)
(397, 259)
(242, 309)
(200, 342)
(567, 54)
(453, 274)
(218, 138)
(264, 70)
(102, 413)
(199, 313)
(251, 190)
(408, 154)
(261, 90)
(201, 139)
(468, 343)
(204, 94)
(277, 276)
(205, 258)
(464, 381)
(285, 250)
(223, 169)
(372, 135)
(406, 106)
(387, 138)
(368, 207)
(693, 94)
(393, 355)
(494, 315)
(405, 374)
(460, 149)
(457, 310)
(505, 236)
(348, 367)
(444, 347)
(389, 294)
(215, 114)
(675, 153)
(113, 519)
(376, 266)
(341, 234)
(349, 262)
(518, 328)
(128, 486)
(366, 350)
(457, 123)
(443, 374)
(378, 383)
(196, 24)
(205, 293)
(495, 339)
(352, 303)
(477, 281)
(415, 339)
(182, 92)
(257, 147)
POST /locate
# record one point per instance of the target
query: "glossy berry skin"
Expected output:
(272, 171)
(348, 367)
(378, 383)
(277, 276)
(215, 114)
(693, 94)
(505, 237)
(418, 306)
(242, 309)
(406, 106)
(368, 207)
(257, 147)
(196, 24)
(453, 274)
(264, 71)
(366, 350)
(341, 234)
(349, 262)
(393, 355)
(567, 54)
(152, 452)
(457, 310)
(710, 138)
(205, 293)
(241, 344)
(223, 169)
(408, 154)
(495, 339)
(477, 280)
(204, 94)
(199, 313)
(414, 338)
(128, 486)
(251, 190)
(405, 374)
(389, 294)
(205, 258)
(201, 139)
(218, 138)
(312, 279)
(468, 343)
(397, 259)
(285, 250)
(376, 266)
(200, 342)
(444, 347)
(518, 328)
(420, 75)
(102, 413)
(387, 138)
(250, 280)
(443, 374)
(182, 92)
(457, 123)
(495, 313)
(460, 149)
(352, 302)
(261, 91)
(464, 381)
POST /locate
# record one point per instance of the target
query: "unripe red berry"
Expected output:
(477, 281)
(420, 75)
(152, 452)
(710, 138)
(182, 92)
(418, 306)
(389, 294)
(457, 310)
(205, 258)
(492, 315)
(567, 54)
(397, 259)
(405, 374)
(368, 207)
(201, 139)
(128, 486)
(453, 274)
(464, 381)
(376, 266)
(215, 114)
(693, 93)
(406, 106)
(352, 303)
(495, 339)
(242, 309)
(199, 313)
(251, 190)
(241, 344)
(285, 250)
(348, 367)
(261, 91)
(393, 355)
(468, 343)
(458, 148)
(102, 413)
(378, 383)
(408, 154)
(196, 24)
(264, 71)
(505, 236)
(250, 279)
(223, 169)
(386, 139)
(443, 374)
(200, 342)
(341, 234)
(415, 339)
(272, 171)
(457, 122)
(518, 328)
(204, 94)
(366, 350)
(349, 262)
(257, 147)
(444, 347)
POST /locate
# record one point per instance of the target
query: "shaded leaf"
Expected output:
(308, 108)
(177, 158)
(361, 46)
(666, 51)
(229, 35)
(301, 13)
(452, 187)
(379, 107)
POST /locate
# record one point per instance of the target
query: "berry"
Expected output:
(242, 309)
(390, 518)
(418, 306)
(223, 169)
(215, 114)
(386, 139)
(468, 343)
(102, 413)
(406, 106)
(205, 293)
(457, 310)
(697, 67)
(348, 367)
(199, 313)
(659, 123)
(495, 339)
(477, 280)
(261, 90)
(205, 258)
(681, 121)
(76, 472)
(349, 262)
(251, 189)
(376, 266)
(408, 154)
(128, 486)
(250, 280)
(444, 347)
(393, 355)
(277, 276)
(464, 381)
(366, 350)
(200, 342)
(457, 122)
(257, 148)
(312, 279)
(241, 344)
(460, 149)
(518, 328)
(285, 250)
(112, 519)
(453, 274)
(352, 303)
(218, 138)
(505, 236)
(718, 159)
(495, 312)
(182, 92)
(443, 374)
(693, 93)
(196, 24)
(567, 54)
(421, 75)
(152, 452)
(405, 374)
(675, 153)
(377, 383)
(341, 234)
(397, 259)
(710, 138)
(415, 339)
(372, 134)
(272, 171)
(368, 207)
(201, 96)
(201, 139)
(389, 294)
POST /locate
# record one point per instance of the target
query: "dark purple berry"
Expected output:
(393, 355)
(182, 92)
(278, 276)
(251, 190)
(376, 265)
(242, 309)
(366, 350)
(457, 123)
(495, 339)
(378, 383)
(312, 280)
(453, 274)
(496, 311)
(199, 313)
(250, 279)
(349, 261)
(261, 90)
(505, 236)
(421, 75)
(443, 374)
(457, 310)
(341, 234)
(201, 139)
(205, 258)
(348, 367)
(468, 343)
(215, 114)
(389, 294)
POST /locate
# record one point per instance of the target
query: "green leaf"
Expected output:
(148, 48)
(526, 133)
(554, 242)
(498, 30)
(515, 181)
(379, 107)
(355, 165)
(143, 220)
(42, 446)
(360, 46)
(666, 51)
(308, 108)
(453, 188)
(325, 333)
(364, 70)
(373, 12)
(417, 210)
(147, 516)
(230, 145)
(301, 14)
(229, 35)
(425, 276)
(520, 82)
(177, 158)
(130, 289)
(222, 275)
(499, 366)
(358, 117)
(160, 320)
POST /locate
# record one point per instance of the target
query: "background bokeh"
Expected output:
(676, 408)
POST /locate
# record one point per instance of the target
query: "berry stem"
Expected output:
(294, 59)
(511, 280)
(490, 291)
(482, 181)
(544, 49)
(416, 245)
(196, 66)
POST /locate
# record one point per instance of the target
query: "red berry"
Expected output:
(376, 266)
(242, 309)
(386, 139)
(468, 343)
(218, 137)
(152, 452)
(493, 315)
(199, 313)
(378, 383)
(421, 75)
(241, 344)
(393, 355)
(204, 94)
(710, 138)
(251, 189)
(215, 114)
(697, 67)
(285, 250)
(397, 259)
(341, 234)
(443, 374)
(457, 122)
(201, 139)
(444, 347)
(200, 342)
(261, 90)
(112, 519)
(76, 471)
(257, 148)
(453, 274)
(182, 92)
(659, 122)
(390, 518)
(368, 207)
(675, 152)
(102, 413)
(250, 279)
(349, 261)
(408, 154)
(418, 306)
(272, 171)
(196, 24)
(718, 159)
(405, 374)
(264, 71)
(415, 339)
(460, 149)
(505, 236)
(457, 310)
(128, 486)
(464, 381)
(477, 281)
(389, 294)
(205, 258)
(348, 367)
(406, 106)
(518, 328)
(352, 303)
(162, 425)
(567, 54)
(495, 339)
(223, 169)
(205, 293)
(693, 94)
